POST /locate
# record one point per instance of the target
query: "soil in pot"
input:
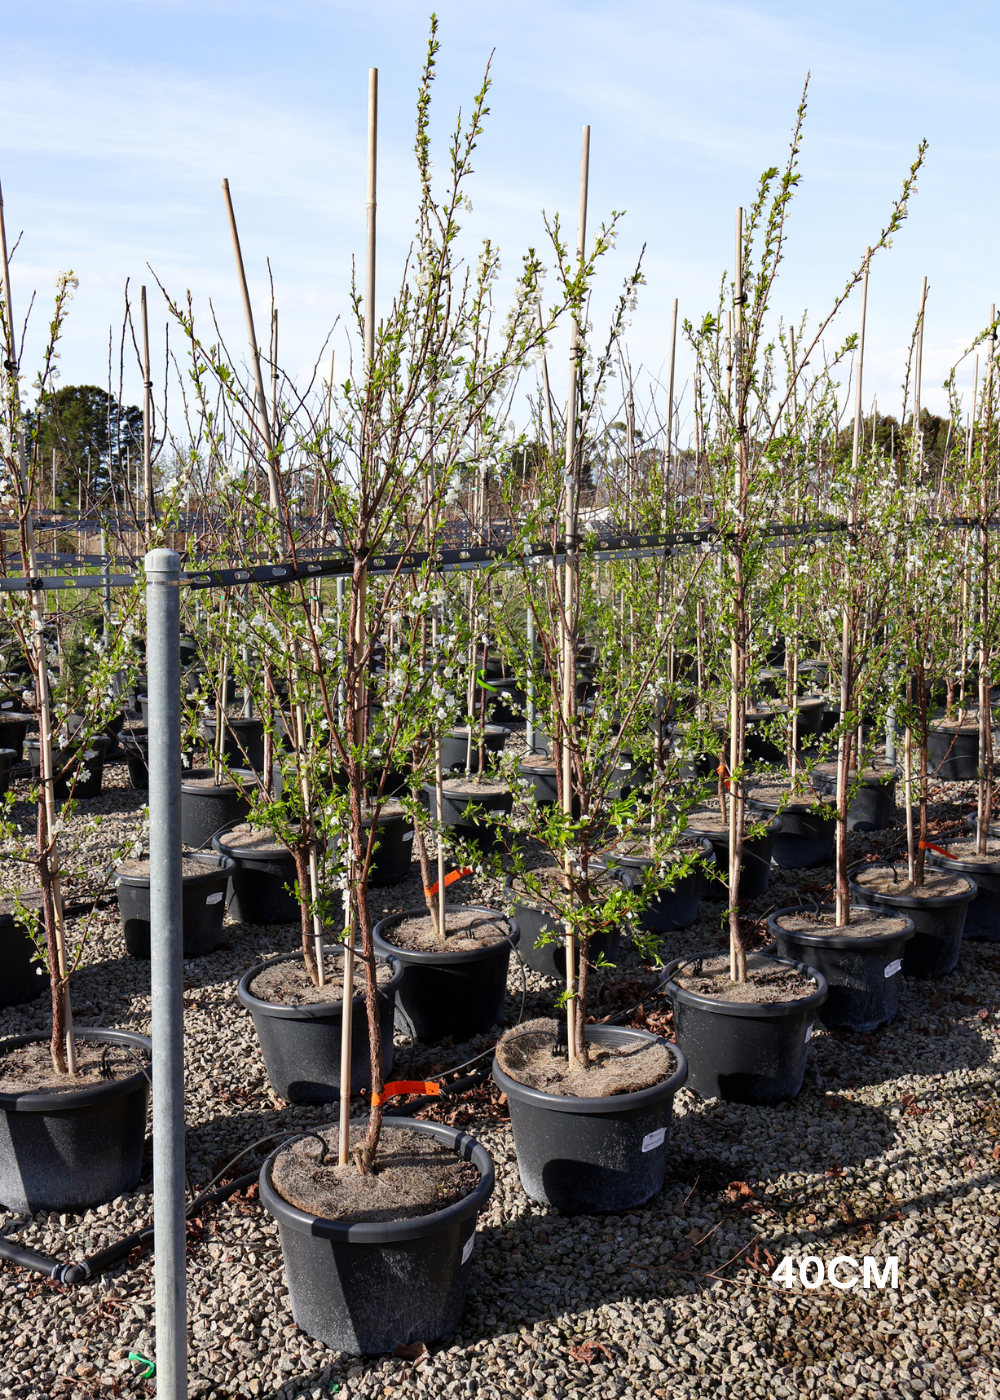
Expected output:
(862, 961)
(755, 866)
(468, 803)
(204, 879)
(806, 836)
(745, 1042)
(873, 806)
(454, 987)
(982, 920)
(391, 1266)
(299, 1025)
(670, 908)
(603, 1148)
(69, 1143)
(536, 915)
(207, 807)
(938, 910)
(262, 884)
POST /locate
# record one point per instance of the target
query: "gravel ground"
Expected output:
(890, 1150)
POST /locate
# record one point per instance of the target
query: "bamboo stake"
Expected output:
(549, 426)
(918, 377)
(737, 724)
(569, 591)
(274, 491)
(846, 654)
(149, 502)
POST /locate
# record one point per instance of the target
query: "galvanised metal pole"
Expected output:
(166, 967)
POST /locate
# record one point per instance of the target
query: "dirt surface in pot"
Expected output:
(551, 889)
(887, 879)
(780, 792)
(638, 849)
(864, 923)
(538, 763)
(707, 817)
(389, 807)
(879, 774)
(767, 981)
(491, 732)
(468, 787)
(288, 984)
(533, 1055)
(965, 849)
(189, 866)
(27, 1069)
(465, 929)
(208, 783)
(952, 726)
(247, 838)
(414, 1175)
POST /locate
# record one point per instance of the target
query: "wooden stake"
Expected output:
(149, 503)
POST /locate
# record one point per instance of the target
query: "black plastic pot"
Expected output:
(301, 1044)
(873, 806)
(864, 973)
(206, 810)
(242, 740)
(760, 748)
(805, 838)
(755, 866)
(542, 780)
(441, 994)
(668, 909)
(811, 709)
(73, 1149)
(366, 1287)
(628, 775)
(595, 1154)
(457, 811)
(982, 921)
(550, 958)
(13, 729)
(393, 858)
(744, 1052)
(8, 757)
(953, 754)
(23, 977)
(203, 907)
(938, 922)
(135, 747)
(506, 702)
(455, 747)
(66, 763)
(256, 892)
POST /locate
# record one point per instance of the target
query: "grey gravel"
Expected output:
(890, 1150)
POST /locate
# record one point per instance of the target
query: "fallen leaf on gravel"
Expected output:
(586, 1351)
(694, 1234)
(739, 1190)
(966, 1000)
(761, 1258)
(996, 1153)
(413, 1352)
(832, 1101)
(983, 1014)
(836, 1171)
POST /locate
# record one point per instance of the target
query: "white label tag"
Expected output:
(214, 898)
(892, 968)
(7, 705)
(407, 835)
(654, 1139)
(625, 767)
(809, 1031)
(469, 1243)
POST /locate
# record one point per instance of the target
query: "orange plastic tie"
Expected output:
(407, 1086)
(930, 846)
(449, 879)
(723, 773)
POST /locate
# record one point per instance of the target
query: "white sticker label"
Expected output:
(625, 767)
(654, 1139)
(214, 898)
(809, 1031)
(892, 968)
(468, 1247)
(407, 835)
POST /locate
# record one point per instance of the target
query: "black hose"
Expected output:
(80, 1270)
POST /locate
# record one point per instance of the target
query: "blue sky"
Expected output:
(118, 121)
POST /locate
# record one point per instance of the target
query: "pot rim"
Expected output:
(389, 1232)
(609, 859)
(771, 1010)
(223, 865)
(217, 790)
(431, 790)
(761, 804)
(308, 1011)
(434, 958)
(913, 901)
(840, 941)
(246, 856)
(52, 1100)
(609, 1103)
(773, 826)
(963, 867)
